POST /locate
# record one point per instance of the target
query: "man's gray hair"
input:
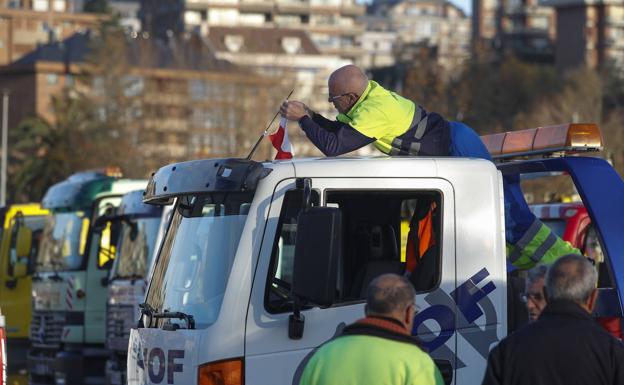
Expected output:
(572, 277)
(535, 274)
(389, 293)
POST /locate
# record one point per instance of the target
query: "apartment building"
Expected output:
(126, 10)
(487, 22)
(525, 28)
(529, 30)
(24, 24)
(332, 24)
(180, 102)
(589, 33)
(287, 53)
(438, 24)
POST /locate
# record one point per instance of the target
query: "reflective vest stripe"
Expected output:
(526, 240)
(420, 130)
(544, 247)
(550, 240)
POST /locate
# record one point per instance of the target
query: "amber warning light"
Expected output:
(568, 138)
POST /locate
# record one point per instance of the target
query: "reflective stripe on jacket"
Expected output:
(398, 126)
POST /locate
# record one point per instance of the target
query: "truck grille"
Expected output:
(46, 328)
(119, 321)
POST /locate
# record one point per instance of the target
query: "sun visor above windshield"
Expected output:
(76, 193)
(203, 176)
(132, 206)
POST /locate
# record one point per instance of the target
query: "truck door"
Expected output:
(16, 286)
(101, 254)
(374, 210)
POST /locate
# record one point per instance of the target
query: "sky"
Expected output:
(466, 5)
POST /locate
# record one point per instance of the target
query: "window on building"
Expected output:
(287, 19)
(192, 17)
(40, 5)
(59, 5)
(252, 18)
(376, 226)
(134, 85)
(223, 16)
(52, 78)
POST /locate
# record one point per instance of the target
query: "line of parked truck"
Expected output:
(234, 271)
(74, 269)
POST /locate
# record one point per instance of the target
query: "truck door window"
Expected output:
(35, 223)
(107, 237)
(376, 237)
(280, 273)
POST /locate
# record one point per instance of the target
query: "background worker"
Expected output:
(378, 349)
(534, 296)
(565, 346)
(368, 113)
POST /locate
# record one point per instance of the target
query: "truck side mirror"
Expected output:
(318, 249)
(23, 242)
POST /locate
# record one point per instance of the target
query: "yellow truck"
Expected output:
(22, 225)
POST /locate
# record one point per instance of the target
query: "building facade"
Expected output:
(289, 54)
(524, 28)
(179, 101)
(438, 24)
(487, 22)
(332, 24)
(589, 33)
(529, 30)
(27, 24)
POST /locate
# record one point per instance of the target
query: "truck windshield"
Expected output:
(63, 241)
(194, 263)
(136, 244)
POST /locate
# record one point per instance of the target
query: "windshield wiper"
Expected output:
(190, 321)
(56, 277)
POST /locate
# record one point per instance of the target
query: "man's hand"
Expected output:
(294, 110)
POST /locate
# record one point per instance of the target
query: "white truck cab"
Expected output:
(264, 262)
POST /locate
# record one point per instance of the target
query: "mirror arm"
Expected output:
(296, 321)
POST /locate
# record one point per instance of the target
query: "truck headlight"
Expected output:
(226, 372)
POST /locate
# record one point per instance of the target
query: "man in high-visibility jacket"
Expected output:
(368, 113)
(377, 349)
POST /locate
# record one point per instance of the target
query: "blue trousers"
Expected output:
(518, 217)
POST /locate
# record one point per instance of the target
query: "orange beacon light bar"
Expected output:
(572, 137)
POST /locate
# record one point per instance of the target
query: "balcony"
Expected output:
(346, 30)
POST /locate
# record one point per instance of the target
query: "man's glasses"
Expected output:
(535, 297)
(332, 99)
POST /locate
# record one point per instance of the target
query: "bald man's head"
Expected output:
(346, 85)
(388, 294)
(347, 79)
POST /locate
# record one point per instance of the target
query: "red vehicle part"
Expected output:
(572, 223)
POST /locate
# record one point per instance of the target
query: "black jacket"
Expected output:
(565, 346)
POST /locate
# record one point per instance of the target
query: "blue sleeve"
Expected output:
(332, 137)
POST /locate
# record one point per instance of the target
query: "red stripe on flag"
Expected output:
(280, 141)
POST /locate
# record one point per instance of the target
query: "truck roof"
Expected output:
(386, 166)
(233, 174)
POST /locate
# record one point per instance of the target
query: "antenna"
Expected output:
(266, 130)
